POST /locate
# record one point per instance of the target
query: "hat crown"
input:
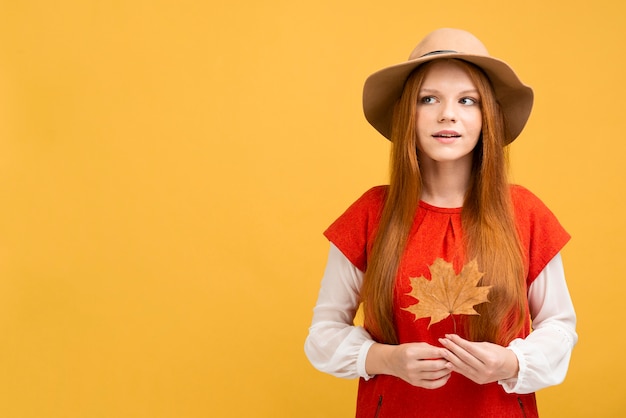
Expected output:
(448, 40)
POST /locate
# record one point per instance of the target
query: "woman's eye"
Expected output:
(468, 101)
(427, 100)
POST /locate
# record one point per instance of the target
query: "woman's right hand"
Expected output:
(419, 364)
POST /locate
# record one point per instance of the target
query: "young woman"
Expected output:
(447, 216)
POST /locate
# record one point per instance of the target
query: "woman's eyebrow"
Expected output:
(469, 91)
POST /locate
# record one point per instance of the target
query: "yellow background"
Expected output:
(167, 168)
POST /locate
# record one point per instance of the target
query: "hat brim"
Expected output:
(383, 89)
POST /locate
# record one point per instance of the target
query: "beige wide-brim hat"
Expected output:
(383, 88)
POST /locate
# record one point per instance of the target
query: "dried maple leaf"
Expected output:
(446, 293)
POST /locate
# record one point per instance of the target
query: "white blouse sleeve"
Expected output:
(334, 344)
(545, 354)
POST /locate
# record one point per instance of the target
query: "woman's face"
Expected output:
(449, 118)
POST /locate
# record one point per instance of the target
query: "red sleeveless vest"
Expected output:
(437, 233)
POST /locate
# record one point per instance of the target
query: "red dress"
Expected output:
(437, 233)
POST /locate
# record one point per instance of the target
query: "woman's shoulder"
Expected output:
(366, 208)
(520, 192)
(372, 199)
(524, 199)
(376, 194)
(540, 232)
(530, 208)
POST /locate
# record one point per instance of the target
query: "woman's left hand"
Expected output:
(481, 362)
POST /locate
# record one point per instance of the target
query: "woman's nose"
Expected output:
(447, 112)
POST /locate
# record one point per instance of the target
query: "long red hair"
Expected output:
(487, 218)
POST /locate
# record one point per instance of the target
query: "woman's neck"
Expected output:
(444, 185)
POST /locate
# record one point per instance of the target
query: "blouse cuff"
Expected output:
(513, 384)
(360, 361)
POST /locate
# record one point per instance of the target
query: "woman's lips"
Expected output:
(446, 137)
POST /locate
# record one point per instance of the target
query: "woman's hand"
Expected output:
(480, 362)
(419, 364)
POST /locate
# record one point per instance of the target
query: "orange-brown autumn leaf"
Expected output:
(447, 293)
